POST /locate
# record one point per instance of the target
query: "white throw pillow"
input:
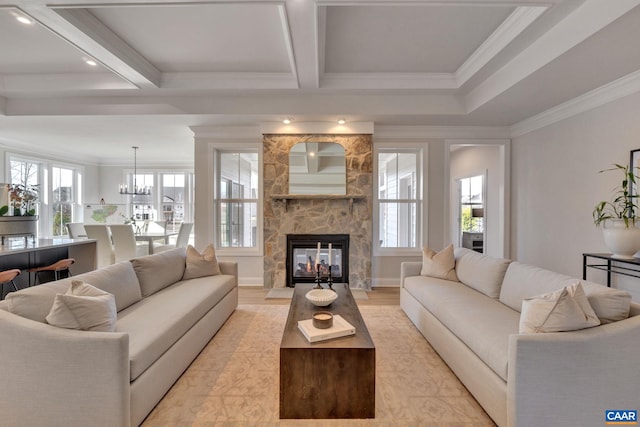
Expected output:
(566, 309)
(201, 264)
(84, 307)
(441, 264)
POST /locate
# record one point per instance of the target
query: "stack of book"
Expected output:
(340, 328)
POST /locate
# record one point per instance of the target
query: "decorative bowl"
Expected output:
(321, 297)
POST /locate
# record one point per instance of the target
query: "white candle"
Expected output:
(318, 254)
(329, 254)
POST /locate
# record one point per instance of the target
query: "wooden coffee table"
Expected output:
(326, 379)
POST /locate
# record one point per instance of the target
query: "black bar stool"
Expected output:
(56, 267)
(7, 276)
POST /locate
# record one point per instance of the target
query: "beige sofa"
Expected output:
(543, 379)
(63, 377)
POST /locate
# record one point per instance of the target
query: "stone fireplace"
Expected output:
(303, 263)
(318, 216)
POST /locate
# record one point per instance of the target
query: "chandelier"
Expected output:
(135, 191)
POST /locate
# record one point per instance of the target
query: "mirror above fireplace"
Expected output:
(317, 168)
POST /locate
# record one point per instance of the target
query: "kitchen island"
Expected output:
(23, 254)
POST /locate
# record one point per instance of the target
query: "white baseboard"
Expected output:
(385, 283)
(250, 281)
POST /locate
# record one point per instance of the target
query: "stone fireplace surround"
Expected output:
(318, 216)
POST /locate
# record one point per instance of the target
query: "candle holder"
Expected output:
(318, 280)
(330, 279)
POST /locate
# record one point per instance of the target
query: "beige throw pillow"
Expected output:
(610, 305)
(200, 265)
(564, 310)
(84, 307)
(441, 264)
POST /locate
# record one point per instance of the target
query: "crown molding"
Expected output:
(250, 133)
(226, 80)
(349, 128)
(388, 81)
(609, 92)
(440, 132)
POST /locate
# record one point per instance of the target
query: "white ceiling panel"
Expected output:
(203, 38)
(33, 49)
(426, 38)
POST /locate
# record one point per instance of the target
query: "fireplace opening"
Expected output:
(302, 258)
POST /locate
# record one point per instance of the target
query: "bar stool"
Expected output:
(56, 267)
(7, 276)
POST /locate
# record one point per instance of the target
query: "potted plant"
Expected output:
(18, 217)
(618, 216)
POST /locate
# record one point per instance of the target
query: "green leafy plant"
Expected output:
(623, 204)
(22, 200)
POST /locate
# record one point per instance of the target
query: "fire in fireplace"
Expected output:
(303, 261)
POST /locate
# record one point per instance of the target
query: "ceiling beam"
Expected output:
(586, 20)
(83, 30)
(299, 16)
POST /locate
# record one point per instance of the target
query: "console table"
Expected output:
(630, 267)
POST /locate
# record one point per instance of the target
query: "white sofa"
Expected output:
(544, 379)
(64, 377)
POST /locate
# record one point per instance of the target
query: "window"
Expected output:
(174, 192)
(27, 173)
(60, 189)
(471, 204)
(63, 199)
(399, 198)
(237, 199)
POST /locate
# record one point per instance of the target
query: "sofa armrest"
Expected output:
(408, 269)
(61, 376)
(571, 378)
(230, 268)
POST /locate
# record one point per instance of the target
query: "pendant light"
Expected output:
(142, 191)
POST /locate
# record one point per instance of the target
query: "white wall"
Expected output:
(555, 185)
(471, 161)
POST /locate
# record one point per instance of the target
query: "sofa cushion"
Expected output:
(439, 264)
(84, 307)
(482, 323)
(525, 281)
(118, 279)
(200, 264)
(566, 309)
(610, 305)
(157, 271)
(158, 321)
(482, 272)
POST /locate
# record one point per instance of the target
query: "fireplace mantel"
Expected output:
(286, 198)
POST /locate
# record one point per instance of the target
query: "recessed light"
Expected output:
(286, 121)
(341, 121)
(91, 62)
(24, 20)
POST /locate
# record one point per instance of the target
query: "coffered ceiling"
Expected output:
(163, 66)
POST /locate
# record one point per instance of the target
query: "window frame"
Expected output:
(45, 183)
(215, 153)
(421, 151)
